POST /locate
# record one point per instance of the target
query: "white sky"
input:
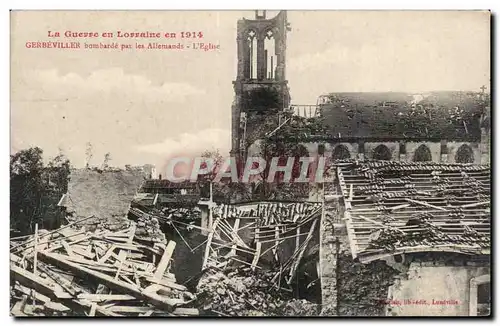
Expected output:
(143, 106)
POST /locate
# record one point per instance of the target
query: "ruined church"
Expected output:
(405, 222)
(445, 126)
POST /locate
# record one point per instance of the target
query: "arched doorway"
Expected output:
(382, 153)
(464, 154)
(422, 154)
(341, 152)
(480, 296)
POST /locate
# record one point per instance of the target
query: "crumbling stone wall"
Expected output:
(330, 232)
(328, 267)
(362, 288)
(348, 287)
(104, 194)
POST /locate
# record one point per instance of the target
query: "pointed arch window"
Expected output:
(341, 152)
(464, 154)
(422, 154)
(382, 153)
(251, 55)
(270, 54)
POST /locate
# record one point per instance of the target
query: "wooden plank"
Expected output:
(122, 256)
(18, 308)
(296, 263)
(476, 204)
(147, 314)
(258, 248)
(130, 309)
(228, 232)
(235, 230)
(165, 260)
(350, 234)
(209, 242)
(35, 241)
(105, 297)
(381, 224)
(107, 255)
(68, 249)
(186, 311)
(276, 243)
(37, 283)
(425, 204)
(167, 283)
(51, 232)
(284, 238)
(83, 253)
(63, 282)
(93, 308)
(109, 281)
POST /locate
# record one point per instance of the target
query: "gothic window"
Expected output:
(382, 153)
(341, 152)
(251, 57)
(270, 55)
(422, 154)
(464, 154)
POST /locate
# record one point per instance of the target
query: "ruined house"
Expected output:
(429, 222)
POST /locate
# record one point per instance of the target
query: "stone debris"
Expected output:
(243, 292)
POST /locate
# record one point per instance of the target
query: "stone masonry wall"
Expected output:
(328, 252)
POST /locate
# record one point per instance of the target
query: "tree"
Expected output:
(225, 190)
(107, 158)
(36, 189)
(88, 155)
(26, 188)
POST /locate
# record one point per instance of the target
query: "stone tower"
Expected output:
(261, 44)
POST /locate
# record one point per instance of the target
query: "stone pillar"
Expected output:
(402, 152)
(328, 258)
(484, 146)
(261, 59)
(204, 214)
(242, 51)
(361, 150)
(444, 151)
(236, 117)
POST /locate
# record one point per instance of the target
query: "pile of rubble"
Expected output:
(149, 229)
(242, 292)
(74, 272)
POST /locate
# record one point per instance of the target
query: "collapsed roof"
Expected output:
(402, 207)
(445, 115)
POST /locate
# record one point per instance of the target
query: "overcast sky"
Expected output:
(145, 106)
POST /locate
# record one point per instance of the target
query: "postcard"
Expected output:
(250, 163)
